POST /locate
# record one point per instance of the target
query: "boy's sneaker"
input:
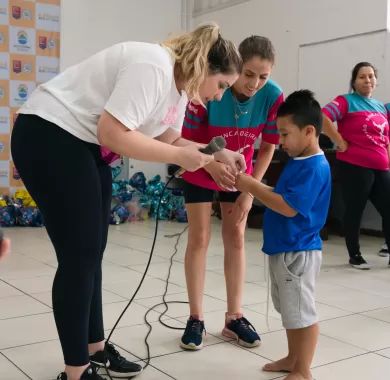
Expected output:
(88, 374)
(384, 251)
(358, 262)
(192, 337)
(117, 365)
(243, 331)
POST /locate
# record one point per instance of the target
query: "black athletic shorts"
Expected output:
(197, 194)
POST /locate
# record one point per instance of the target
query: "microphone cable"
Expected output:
(178, 235)
(215, 145)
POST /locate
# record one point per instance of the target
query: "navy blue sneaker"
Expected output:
(192, 337)
(242, 331)
(117, 365)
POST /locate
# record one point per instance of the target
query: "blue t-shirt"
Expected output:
(305, 184)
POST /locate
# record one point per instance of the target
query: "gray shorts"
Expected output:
(293, 276)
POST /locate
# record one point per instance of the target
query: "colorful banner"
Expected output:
(29, 55)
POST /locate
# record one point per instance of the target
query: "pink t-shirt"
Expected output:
(363, 124)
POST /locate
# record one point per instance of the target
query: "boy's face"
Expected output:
(293, 140)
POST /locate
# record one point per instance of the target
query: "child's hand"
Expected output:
(5, 246)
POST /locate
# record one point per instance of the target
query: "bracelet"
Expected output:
(251, 195)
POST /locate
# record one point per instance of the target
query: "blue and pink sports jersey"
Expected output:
(364, 124)
(240, 123)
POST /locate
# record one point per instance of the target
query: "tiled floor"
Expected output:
(354, 307)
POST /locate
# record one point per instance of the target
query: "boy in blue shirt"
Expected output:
(296, 211)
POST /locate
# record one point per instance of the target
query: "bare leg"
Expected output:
(304, 342)
(286, 364)
(234, 264)
(195, 258)
(301, 345)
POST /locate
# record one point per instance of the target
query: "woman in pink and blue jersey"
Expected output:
(245, 114)
(362, 138)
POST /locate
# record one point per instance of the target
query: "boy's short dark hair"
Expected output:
(303, 109)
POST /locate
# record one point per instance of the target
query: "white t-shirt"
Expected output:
(133, 81)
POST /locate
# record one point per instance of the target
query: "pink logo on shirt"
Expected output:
(171, 116)
(381, 127)
(376, 123)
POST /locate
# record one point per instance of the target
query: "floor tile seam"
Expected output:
(15, 365)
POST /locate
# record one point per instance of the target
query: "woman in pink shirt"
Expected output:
(362, 139)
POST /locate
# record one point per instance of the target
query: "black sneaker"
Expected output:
(384, 251)
(243, 331)
(192, 337)
(358, 262)
(117, 365)
(88, 374)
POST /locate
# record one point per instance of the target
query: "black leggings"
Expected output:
(359, 185)
(71, 185)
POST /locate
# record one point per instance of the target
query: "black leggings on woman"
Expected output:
(359, 185)
(71, 185)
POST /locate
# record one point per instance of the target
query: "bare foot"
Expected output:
(283, 365)
(297, 376)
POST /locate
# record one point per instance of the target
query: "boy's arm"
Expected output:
(265, 194)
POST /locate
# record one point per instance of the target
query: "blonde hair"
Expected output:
(200, 53)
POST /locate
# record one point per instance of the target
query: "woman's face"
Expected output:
(365, 81)
(213, 87)
(255, 74)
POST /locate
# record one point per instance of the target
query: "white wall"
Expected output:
(294, 26)
(317, 43)
(88, 26)
(329, 77)
(291, 23)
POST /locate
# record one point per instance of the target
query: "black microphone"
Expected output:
(215, 145)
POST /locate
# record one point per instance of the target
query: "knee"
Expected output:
(198, 240)
(234, 238)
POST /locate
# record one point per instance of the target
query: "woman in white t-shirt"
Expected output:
(131, 99)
